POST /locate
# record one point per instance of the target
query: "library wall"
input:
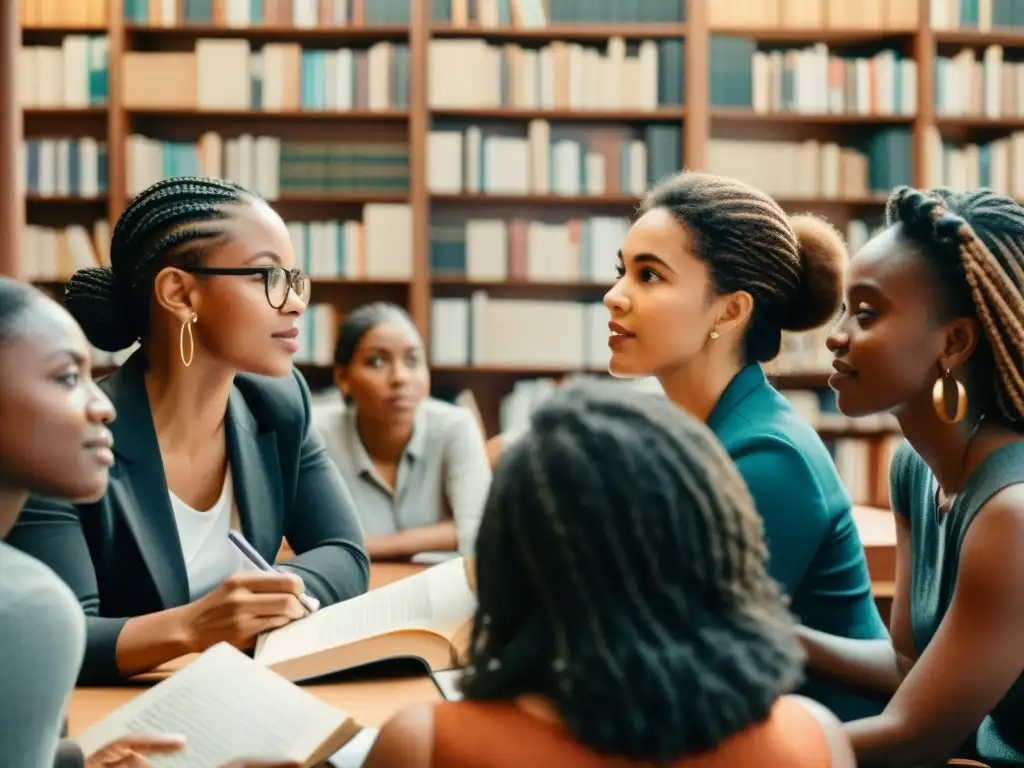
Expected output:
(477, 161)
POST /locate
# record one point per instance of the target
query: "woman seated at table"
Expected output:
(214, 433)
(710, 276)
(625, 611)
(933, 332)
(54, 440)
(415, 465)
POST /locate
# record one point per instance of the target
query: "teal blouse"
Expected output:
(935, 545)
(814, 547)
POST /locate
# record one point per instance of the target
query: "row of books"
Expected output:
(277, 77)
(533, 14)
(878, 15)
(519, 333)
(558, 160)
(982, 15)
(73, 74)
(523, 250)
(301, 14)
(520, 250)
(379, 247)
(271, 166)
(60, 13)
(809, 80)
(990, 88)
(561, 75)
(64, 167)
(812, 169)
(50, 254)
(997, 164)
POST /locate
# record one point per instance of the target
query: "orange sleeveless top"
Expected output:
(501, 735)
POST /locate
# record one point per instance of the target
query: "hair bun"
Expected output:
(93, 297)
(823, 258)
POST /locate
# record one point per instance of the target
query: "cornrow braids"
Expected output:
(170, 222)
(791, 266)
(972, 241)
(621, 574)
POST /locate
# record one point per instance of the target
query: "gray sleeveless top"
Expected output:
(936, 542)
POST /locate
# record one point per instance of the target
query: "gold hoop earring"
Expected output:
(191, 341)
(939, 399)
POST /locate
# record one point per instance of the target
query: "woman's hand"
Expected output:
(131, 751)
(244, 606)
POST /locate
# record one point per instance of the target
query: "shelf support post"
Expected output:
(12, 200)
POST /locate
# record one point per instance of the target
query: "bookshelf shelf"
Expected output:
(454, 371)
(340, 198)
(973, 122)
(794, 36)
(801, 380)
(871, 201)
(520, 289)
(54, 200)
(571, 33)
(65, 113)
(143, 34)
(567, 115)
(580, 201)
(972, 37)
(726, 115)
(269, 116)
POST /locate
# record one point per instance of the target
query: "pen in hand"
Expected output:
(309, 602)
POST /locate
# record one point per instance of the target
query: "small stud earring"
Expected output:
(714, 334)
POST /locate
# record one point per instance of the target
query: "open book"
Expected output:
(229, 707)
(425, 616)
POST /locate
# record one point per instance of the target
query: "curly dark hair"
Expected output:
(972, 244)
(169, 223)
(621, 573)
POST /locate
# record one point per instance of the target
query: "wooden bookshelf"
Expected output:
(697, 120)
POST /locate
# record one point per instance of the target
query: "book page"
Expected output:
(438, 598)
(227, 706)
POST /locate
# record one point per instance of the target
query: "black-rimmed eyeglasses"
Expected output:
(278, 281)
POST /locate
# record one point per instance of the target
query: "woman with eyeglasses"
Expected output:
(214, 434)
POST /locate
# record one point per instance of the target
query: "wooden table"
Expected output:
(370, 703)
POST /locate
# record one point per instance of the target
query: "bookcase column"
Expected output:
(11, 201)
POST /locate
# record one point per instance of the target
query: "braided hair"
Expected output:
(973, 242)
(621, 574)
(792, 266)
(169, 223)
(15, 298)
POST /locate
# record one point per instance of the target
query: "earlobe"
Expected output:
(961, 340)
(737, 311)
(341, 379)
(172, 289)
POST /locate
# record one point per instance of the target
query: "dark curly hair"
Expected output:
(972, 244)
(621, 574)
(169, 223)
(792, 266)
